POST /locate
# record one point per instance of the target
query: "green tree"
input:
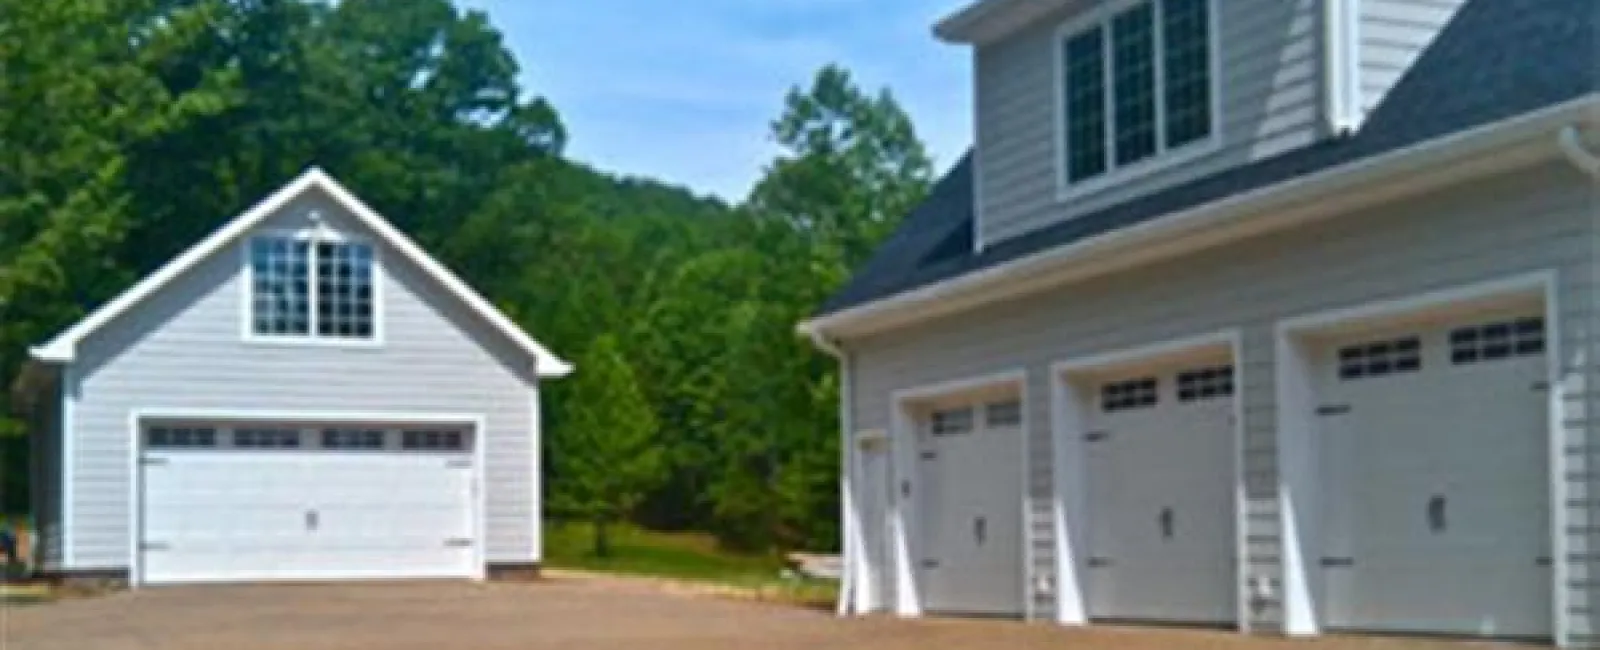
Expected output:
(608, 455)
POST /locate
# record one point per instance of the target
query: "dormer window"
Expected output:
(1138, 82)
(312, 285)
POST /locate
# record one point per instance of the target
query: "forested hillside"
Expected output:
(130, 128)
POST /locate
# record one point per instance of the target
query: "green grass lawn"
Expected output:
(692, 557)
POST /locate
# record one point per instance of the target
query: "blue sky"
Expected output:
(683, 91)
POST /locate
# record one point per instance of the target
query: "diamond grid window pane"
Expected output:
(1133, 47)
(1085, 105)
(1186, 68)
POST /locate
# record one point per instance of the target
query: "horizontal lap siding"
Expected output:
(1531, 220)
(1270, 56)
(1392, 35)
(182, 349)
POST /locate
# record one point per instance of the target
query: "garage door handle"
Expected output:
(312, 520)
(1099, 562)
(1543, 560)
(153, 546)
(458, 542)
(1337, 562)
(929, 564)
(152, 461)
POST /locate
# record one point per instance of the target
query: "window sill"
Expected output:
(1132, 173)
(313, 342)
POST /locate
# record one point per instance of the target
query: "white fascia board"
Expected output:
(987, 20)
(63, 348)
(1485, 149)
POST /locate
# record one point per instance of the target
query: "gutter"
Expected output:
(848, 546)
(1021, 276)
(1571, 142)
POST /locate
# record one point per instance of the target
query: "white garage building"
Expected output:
(1301, 345)
(304, 395)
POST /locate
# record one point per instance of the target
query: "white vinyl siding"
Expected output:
(181, 349)
(1266, 71)
(1531, 220)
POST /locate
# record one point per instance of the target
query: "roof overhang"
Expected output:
(989, 20)
(1499, 146)
(64, 347)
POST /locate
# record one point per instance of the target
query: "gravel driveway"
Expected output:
(564, 614)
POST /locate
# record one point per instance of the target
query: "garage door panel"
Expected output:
(971, 509)
(1436, 489)
(215, 511)
(1160, 491)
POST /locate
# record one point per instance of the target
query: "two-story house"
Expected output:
(1271, 314)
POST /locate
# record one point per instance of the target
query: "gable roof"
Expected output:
(63, 348)
(1496, 60)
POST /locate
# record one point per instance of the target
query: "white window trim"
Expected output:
(318, 233)
(1164, 157)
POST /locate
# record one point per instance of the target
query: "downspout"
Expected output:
(847, 526)
(1571, 142)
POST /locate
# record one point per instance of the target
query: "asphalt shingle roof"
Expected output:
(1495, 60)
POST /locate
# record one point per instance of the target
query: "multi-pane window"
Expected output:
(1002, 414)
(266, 438)
(180, 437)
(280, 289)
(1499, 340)
(1127, 395)
(301, 290)
(352, 439)
(1380, 358)
(433, 440)
(1205, 383)
(344, 290)
(951, 422)
(1136, 84)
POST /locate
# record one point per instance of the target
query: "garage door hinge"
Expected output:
(930, 455)
(152, 461)
(1333, 409)
(1543, 560)
(458, 542)
(1096, 436)
(1099, 562)
(1337, 562)
(153, 546)
(458, 463)
(929, 564)
(1541, 387)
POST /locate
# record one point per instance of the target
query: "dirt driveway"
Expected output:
(564, 614)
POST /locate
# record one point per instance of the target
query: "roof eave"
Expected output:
(1212, 222)
(987, 20)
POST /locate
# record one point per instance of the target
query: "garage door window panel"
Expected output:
(1205, 383)
(998, 415)
(354, 439)
(952, 422)
(177, 437)
(259, 438)
(1128, 395)
(1497, 340)
(433, 440)
(1380, 358)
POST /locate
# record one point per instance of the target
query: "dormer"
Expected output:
(1083, 105)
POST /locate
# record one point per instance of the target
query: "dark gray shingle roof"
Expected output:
(1496, 59)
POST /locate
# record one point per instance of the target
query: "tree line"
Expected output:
(131, 128)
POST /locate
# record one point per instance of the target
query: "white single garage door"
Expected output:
(1434, 457)
(970, 465)
(241, 503)
(1160, 502)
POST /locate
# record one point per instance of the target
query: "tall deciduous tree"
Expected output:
(607, 452)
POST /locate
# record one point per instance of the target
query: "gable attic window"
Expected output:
(1138, 82)
(311, 286)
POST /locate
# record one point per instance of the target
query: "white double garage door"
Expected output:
(248, 502)
(1432, 474)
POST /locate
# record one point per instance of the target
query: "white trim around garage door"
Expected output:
(1068, 423)
(136, 473)
(904, 540)
(1298, 491)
